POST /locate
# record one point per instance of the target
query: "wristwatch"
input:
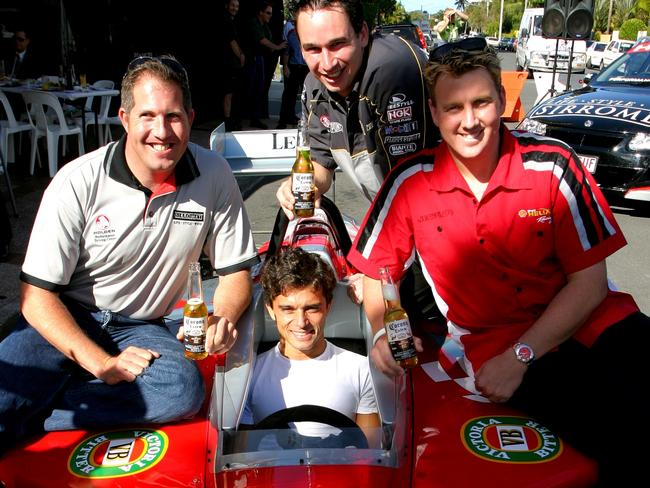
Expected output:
(524, 353)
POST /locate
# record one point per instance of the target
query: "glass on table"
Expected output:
(83, 82)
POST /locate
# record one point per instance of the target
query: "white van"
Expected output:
(536, 53)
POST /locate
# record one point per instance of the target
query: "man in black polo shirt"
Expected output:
(364, 102)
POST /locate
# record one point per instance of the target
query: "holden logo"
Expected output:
(589, 123)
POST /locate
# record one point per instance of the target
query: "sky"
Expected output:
(430, 6)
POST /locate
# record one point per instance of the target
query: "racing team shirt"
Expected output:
(105, 241)
(384, 118)
(495, 264)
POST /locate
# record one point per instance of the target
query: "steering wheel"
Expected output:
(351, 434)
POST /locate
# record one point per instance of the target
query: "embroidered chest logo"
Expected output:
(103, 230)
(117, 454)
(542, 215)
(510, 440)
(186, 217)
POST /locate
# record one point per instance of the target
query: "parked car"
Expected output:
(614, 50)
(607, 123)
(492, 41)
(595, 54)
(507, 44)
(409, 32)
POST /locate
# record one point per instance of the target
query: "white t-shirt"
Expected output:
(337, 379)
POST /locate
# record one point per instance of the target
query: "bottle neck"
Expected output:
(391, 304)
(194, 289)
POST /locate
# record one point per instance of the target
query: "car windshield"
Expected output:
(632, 68)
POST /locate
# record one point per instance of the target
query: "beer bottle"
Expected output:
(302, 177)
(195, 316)
(396, 322)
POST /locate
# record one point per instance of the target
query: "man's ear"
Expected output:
(364, 34)
(269, 309)
(502, 98)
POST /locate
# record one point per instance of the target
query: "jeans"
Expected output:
(42, 390)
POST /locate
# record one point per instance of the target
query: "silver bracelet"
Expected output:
(378, 335)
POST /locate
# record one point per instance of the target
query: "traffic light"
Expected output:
(568, 19)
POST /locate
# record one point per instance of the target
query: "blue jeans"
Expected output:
(40, 389)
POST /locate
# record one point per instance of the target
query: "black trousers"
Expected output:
(593, 398)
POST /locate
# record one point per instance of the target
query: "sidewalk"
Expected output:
(28, 191)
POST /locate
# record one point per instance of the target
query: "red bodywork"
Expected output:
(450, 439)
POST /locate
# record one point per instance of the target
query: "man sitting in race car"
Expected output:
(305, 368)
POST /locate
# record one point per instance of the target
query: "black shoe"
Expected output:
(258, 124)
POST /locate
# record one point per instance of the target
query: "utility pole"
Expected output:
(500, 21)
(609, 15)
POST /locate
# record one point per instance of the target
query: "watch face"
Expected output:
(524, 353)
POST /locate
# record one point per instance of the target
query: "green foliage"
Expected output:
(630, 29)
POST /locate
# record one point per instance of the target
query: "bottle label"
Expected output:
(302, 186)
(302, 182)
(194, 331)
(400, 339)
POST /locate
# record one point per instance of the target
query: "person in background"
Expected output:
(234, 60)
(304, 367)
(24, 62)
(258, 42)
(107, 260)
(294, 70)
(513, 233)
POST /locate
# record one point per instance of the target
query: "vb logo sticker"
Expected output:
(510, 440)
(119, 453)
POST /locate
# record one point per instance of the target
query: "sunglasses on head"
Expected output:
(470, 45)
(171, 63)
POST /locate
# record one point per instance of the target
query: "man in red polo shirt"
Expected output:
(512, 233)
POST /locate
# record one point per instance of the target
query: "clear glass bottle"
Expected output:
(396, 322)
(195, 315)
(302, 177)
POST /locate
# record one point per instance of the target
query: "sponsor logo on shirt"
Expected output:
(399, 100)
(332, 127)
(412, 137)
(397, 149)
(401, 128)
(543, 215)
(436, 215)
(187, 217)
(103, 230)
(400, 114)
(510, 439)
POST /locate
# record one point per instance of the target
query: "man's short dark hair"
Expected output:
(296, 269)
(352, 8)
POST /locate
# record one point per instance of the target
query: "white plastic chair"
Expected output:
(102, 114)
(10, 126)
(38, 104)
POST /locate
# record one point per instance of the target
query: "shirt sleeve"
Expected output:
(229, 243)
(367, 402)
(405, 125)
(586, 231)
(54, 244)
(385, 237)
(319, 136)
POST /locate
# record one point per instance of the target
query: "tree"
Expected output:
(630, 29)
(623, 10)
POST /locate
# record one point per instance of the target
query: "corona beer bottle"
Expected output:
(302, 177)
(396, 322)
(195, 316)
